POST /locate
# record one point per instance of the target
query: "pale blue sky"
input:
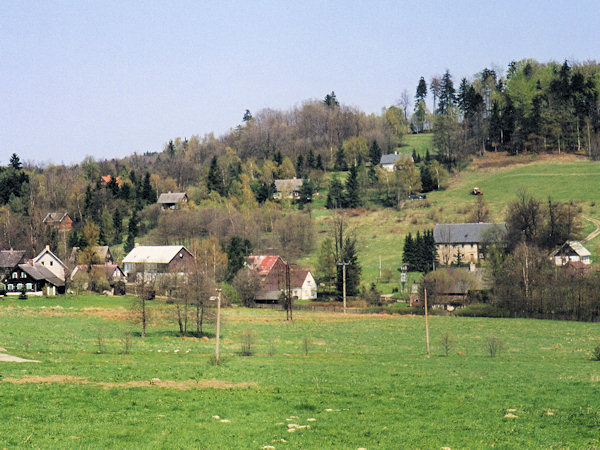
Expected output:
(108, 79)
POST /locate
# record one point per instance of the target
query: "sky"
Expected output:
(110, 78)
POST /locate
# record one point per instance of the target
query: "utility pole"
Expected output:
(426, 322)
(344, 264)
(288, 293)
(218, 326)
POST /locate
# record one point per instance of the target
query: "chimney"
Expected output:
(136, 245)
(11, 251)
(48, 247)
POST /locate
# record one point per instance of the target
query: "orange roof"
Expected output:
(263, 264)
(106, 179)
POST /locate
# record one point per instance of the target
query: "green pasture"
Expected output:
(365, 380)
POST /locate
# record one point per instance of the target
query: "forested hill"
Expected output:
(530, 107)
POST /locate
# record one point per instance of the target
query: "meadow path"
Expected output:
(594, 233)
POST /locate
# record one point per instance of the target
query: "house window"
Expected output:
(19, 286)
(23, 275)
(29, 286)
(15, 275)
(11, 287)
(51, 263)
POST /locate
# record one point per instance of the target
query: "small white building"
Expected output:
(571, 251)
(388, 162)
(303, 283)
(51, 262)
(156, 260)
(288, 188)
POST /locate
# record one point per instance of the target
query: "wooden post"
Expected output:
(426, 322)
(218, 326)
(344, 277)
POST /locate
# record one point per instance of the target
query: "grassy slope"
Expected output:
(371, 371)
(382, 231)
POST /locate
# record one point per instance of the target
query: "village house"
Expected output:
(172, 200)
(60, 220)
(52, 262)
(388, 162)
(272, 270)
(154, 261)
(111, 273)
(35, 279)
(464, 241)
(102, 255)
(571, 252)
(288, 188)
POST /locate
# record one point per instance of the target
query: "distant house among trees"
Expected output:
(388, 162)
(465, 242)
(60, 220)
(156, 260)
(288, 188)
(271, 270)
(9, 259)
(172, 200)
(571, 251)
(99, 274)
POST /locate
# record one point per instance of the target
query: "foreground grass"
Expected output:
(365, 381)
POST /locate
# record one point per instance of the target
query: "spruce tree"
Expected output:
(148, 192)
(117, 226)
(340, 160)
(352, 197)
(375, 154)
(214, 180)
(319, 163)
(300, 166)
(310, 160)
(335, 196)
(426, 180)
(408, 252)
(421, 92)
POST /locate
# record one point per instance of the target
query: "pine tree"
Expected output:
(319, 163)
(214, 180)
(335, 196)
(340, 160)
(148, 192)
(352, 197)
(375, 154)
(117, 226)
(421, 92)
(310, 160)
(426, 180)
(15, 162)
(408, 252)
(300, 166)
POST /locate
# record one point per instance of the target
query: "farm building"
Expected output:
(272, 272)
(51, 262)
(465, 240)
(172, 200)
(156, 260)
(36, 279)
(288, 188)
(60, 220)
(571, 251)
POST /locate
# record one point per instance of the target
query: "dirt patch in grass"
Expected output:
(155, 382)
(120, 313)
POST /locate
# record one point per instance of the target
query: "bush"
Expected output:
(481, 310)
(494, 345)
(23, 294)
(247, 343)
(596, 353)
(120, 288)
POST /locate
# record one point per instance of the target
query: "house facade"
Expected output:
(153, 261)
(571, 251)
(288, 188)
(464, 241)
(272, 271)
(304, 286)
(35, 279)
(52, 262)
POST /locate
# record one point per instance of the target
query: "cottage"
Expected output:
(288, 188)
(52, 262)
(465, 240)
(571, 251)
(109, 272)
(35, 279)
(388, 162)
(172, 200)
(60, 220)
(156, 260)
(102, 255)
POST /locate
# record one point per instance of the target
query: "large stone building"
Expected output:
(465, 241)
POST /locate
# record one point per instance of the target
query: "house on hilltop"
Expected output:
(571, 251)
(60, 220)
(465, 240)
(155, 261)
(388, 162)
(172, 200)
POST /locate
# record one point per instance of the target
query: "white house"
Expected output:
(156, 260)
(51, 262)
(571, 251)
(303, 283)
(388, 162)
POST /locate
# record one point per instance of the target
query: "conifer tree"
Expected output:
(335, 196)
(340, 160)
(375, 154)
(214, 180)
(352, 197)
(319, 163)
(310, 160)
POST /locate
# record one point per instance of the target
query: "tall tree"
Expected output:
(447, 94)
(421, 94)
(352, 196)
(214, 180)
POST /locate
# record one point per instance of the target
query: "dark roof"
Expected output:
(297, 277)
(172, 197)
(105, 270)
(393, 157)
(10, 258)
(39, 272)
(461, 233)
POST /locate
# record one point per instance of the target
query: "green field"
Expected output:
(365, 381)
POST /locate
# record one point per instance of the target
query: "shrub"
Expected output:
(23, 294)
(596, 353)
(481, 310)
(120, 288)
(494, 345)
(247, 343)
(447, 342)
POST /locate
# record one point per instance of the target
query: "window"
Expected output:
(23, 275)
(19, 286)
(15, 275)
(51, 263)
(11, 287)
(29, 286)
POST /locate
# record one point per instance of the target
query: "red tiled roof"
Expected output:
(262, 264)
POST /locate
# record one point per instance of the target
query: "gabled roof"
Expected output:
(106, 270)
(102, 252)
(262, 263)
(48, 251)
(465, 233)
(154, 254)
(576, 246)
(39, 272)
(393, 157)
(292, 184)
(10, 258)
(172, 197)
(297, 277)
(55, 217)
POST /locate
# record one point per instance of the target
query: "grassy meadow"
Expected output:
(338, 381)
